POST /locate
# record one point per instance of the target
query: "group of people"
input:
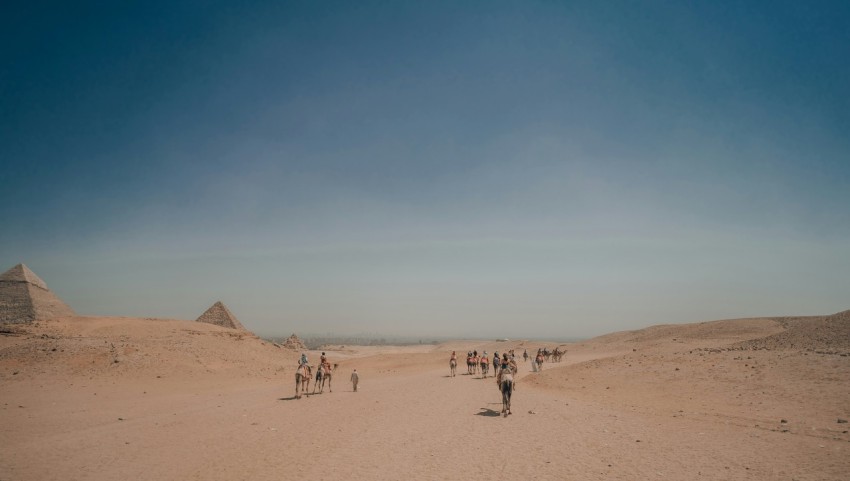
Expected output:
(504, 369)
(479, 363)
(325, 367)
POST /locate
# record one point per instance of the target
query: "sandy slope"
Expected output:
(193, 401)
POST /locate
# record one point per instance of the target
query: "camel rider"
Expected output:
(508, 363)
(454, 356)
(303, 359)
(506, 373)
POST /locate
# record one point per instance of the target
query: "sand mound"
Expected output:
(823, 334)
(709, 334)
(116, 346)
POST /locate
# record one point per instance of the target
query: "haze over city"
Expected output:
(485, 169)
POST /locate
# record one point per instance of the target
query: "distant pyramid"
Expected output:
(220, 315)
(24, 297)
(293, 342)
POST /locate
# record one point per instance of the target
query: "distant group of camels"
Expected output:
(504, 373)
(474, 363)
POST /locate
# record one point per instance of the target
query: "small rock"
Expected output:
(783, 421)
(840, 421)
(120, 419)
(531, 412)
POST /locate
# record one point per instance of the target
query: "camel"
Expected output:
(557, 354)
(485, 366)
(505, 381)
(539, 361)
(453, 366)
(324, 373)
(469, 366)
(302, 380)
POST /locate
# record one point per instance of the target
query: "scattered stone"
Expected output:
(531, 412)
(783, 421)
(840, 420)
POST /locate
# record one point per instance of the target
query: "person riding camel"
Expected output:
(303, 359)
(508, 368)
(508, 363)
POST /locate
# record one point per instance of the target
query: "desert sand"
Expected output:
(94, 398)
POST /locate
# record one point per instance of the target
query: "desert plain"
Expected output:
(108, 398)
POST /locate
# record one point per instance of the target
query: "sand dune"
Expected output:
(124, 398)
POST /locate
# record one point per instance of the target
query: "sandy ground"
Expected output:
(123, 398)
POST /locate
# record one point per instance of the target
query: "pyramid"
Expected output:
(24, 297)
(220, 315)
(293, 342)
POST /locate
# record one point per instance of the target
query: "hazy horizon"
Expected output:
(484, 169)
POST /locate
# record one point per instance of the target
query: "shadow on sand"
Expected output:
(488, 412)
(293, 398)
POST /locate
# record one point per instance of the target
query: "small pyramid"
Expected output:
(24, 297)
(293, 342)
(220, 315)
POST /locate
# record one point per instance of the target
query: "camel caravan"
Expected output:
(505, 368)
(479, 363)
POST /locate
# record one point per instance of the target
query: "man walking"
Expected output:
(355, 378)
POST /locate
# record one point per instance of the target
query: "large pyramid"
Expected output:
(220, 315)
(24, 297)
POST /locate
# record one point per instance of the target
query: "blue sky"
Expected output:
(492, 169)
